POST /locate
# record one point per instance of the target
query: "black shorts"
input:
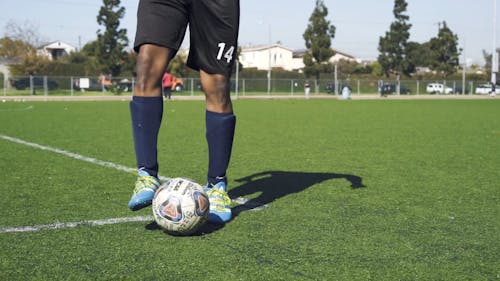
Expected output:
(213, 28)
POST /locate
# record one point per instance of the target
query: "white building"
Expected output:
(340, 55)
(55, 50)
(298, 58)
(261, 57)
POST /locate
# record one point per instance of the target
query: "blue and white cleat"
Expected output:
(220, 203)
(144, 191)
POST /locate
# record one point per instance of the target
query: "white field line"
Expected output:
(239, 200)
(59, 225)
(17, 109)
(74, 155)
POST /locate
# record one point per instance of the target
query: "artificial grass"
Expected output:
(356, 190)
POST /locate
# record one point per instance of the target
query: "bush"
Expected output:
(43, 67)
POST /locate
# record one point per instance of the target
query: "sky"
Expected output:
(359, 23)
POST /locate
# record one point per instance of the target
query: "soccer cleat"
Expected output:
(144, 191)
(220, 203)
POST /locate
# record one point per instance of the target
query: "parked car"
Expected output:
(330, 87)
(485, 89)
(101, 85)
(178, 84)
(38, 82)
(89, 84)
(458, 90)
(437, 88)
(390, 88)
(125, 85)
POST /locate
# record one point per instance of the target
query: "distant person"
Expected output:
(307, 89)
(105, 80)
(493, 89)
(346, 92)
(167, 81)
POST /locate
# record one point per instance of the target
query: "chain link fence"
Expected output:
(98, 86)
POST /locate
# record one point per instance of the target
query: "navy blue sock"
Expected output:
(220, 134)
(146, 113)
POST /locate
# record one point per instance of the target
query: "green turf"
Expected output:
(356, 190)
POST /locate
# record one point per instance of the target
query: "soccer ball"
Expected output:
(180, 206)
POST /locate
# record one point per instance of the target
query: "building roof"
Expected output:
(57, 45)
(264, 47)
(300, 53)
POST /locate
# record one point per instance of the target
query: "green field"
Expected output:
(355, 190)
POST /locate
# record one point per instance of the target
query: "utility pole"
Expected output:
(336, 81)
(464, 68)
(494, 54)
(236, 81)
(269, 64)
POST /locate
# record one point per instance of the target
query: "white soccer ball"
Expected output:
(180, 206)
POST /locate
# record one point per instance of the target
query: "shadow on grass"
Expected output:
(205, 229)
(276, 184)
(271, 185)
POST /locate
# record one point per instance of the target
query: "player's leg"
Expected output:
(169, 92)
(160, 30)
(220, 125)
(146, 110)
(214, 35)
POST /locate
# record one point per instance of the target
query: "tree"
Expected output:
(318, 36)
(26, 32)
(30, 65)
(20, 41)
(443, 51)
(81, 63)
(347, 67)
(111, 43)
(15, 49)
(19, 45)
(128, 68)
(392, 46)
(178, 67)
(417, 54)
(487, 59)
(90, 49)
(377, 69)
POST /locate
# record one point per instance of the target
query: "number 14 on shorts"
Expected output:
(227, 53)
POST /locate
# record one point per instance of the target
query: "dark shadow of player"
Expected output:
(273, 185)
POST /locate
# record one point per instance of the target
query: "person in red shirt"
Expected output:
(167, 81)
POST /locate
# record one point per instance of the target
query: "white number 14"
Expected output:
(228, 55)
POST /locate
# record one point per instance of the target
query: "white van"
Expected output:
(437, 88)
(485, 89)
